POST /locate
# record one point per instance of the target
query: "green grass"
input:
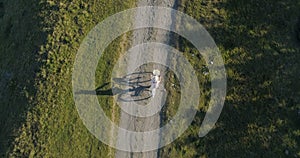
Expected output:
(20, 37)
(258, 41)
(40, 47)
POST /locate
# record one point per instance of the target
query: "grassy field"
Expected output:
(39, 41)
(21, 35)
(259, 41)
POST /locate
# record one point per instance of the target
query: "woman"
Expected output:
(155, 80)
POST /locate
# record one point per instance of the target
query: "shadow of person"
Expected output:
(135, 83)
(126, 81)
(129, 81)
(102, 91)
(136, 96)
(136, 90)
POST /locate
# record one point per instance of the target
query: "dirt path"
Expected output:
(134, 123)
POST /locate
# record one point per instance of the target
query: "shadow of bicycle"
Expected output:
(129, 88)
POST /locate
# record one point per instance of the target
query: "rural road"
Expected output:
(140, 124)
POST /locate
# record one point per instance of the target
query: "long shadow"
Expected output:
(124, 81)
(130, 81)
(260, 115)
(137, 73)
(137, 91)
(21, 36)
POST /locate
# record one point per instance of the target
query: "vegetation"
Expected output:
(259, 41)
(40, 41)
(20, 36)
